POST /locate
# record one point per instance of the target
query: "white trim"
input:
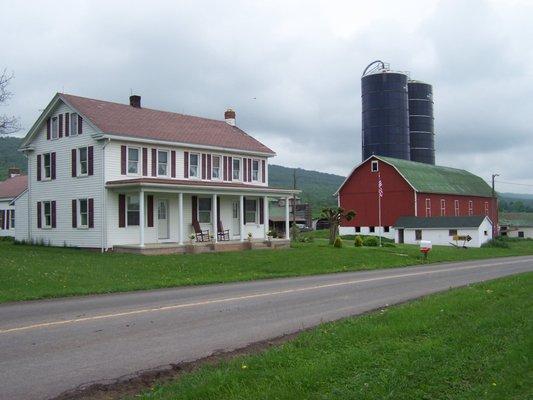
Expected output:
(169, 162)
(79, 174)
(239, 179)
(43, 169)
(198, 166)
(258, 170)
(220, 167)
(43, 215)
(139, 161)
(79, 225)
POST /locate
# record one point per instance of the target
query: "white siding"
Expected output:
(365, 230)
(65, 188)
(513, 231)
(21, 217)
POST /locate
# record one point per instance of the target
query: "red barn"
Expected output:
(411, 189)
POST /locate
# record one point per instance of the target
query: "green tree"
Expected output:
(334, 215)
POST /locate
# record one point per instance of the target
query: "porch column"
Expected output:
(241, 216)
(215, 218)
(287, 233)
(141, 217)
(265, 215)
(181, 232)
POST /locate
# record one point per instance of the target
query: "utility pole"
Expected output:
(294, 197)
(493, 190)
(494, 205)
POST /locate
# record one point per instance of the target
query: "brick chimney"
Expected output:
(229, 116)
(13, 171)
(135, 101)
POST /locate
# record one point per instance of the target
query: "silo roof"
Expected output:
(427, 178)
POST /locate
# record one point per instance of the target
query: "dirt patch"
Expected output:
(134, 384)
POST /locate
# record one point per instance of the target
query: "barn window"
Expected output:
(520, 234)
(374, 167)
(486, 208)
(456, 207)
(470, 207)
(372, 229)
(357, 229)
(442, 207)
(386, 229)
(428, 207)
(418, 234)
(452, 232)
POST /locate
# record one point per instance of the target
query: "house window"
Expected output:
(520, 233)
(132, 210)
(162, 163)
(386, 229)
(418, 234)
(12, 219)
(452, 232)
(470, 207)
(215, 168)
(428, 207)
(236, 168)
(83, 214)
(194, 170)
(357, 229)
(442, 207)
(73, 124)
(47, 165)
(47, 214)
(82, 161)
(255, 170)
(55, 128)
(374, 166)
(486, 233)
(235, 210)
(251, 211)
(372, 229)
(133, 160)
(486, 208)
(456, 207)
(204, 210)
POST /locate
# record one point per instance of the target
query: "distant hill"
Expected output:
(10, 157)
(317, 187)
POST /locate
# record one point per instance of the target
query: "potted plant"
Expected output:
(192, 236)
(250, 236)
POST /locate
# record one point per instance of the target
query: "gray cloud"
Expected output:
(290, 70)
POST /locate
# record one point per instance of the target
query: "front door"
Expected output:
(162, 219)
(236, 225)
(400, 235)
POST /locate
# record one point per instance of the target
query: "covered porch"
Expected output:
(156, 217)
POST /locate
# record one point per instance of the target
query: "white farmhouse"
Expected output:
(108, 175)
(469, 231)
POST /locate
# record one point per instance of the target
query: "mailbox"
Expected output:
(425, 246)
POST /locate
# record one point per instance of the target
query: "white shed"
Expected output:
(469, 231)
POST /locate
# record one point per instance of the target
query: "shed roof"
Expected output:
(12, 187)
(439, 222)
(427, 178)
(517, 219)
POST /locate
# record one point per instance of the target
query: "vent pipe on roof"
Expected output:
(135, 101)
(229, 116)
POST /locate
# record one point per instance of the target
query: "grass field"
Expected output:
(33, 272)
(467, 344)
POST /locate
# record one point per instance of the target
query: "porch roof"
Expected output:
(192, 186)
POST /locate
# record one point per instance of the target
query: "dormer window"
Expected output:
(374, 166)
(215, 173)
(73, 124)
(55, 128)
(162, 163)
(194, 170)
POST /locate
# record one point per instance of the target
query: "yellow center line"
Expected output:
(246, 297)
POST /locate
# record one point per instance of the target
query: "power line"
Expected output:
(515, 183)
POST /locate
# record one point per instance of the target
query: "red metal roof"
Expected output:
(12, 187)
(125, 120)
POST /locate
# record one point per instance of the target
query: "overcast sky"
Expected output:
(291, 70)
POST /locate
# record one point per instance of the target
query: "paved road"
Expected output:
(48, 347)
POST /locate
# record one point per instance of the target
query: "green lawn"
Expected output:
(33, 272)
(470, 343)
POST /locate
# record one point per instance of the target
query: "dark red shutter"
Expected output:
(209, 166)
(121, 210)
(67, 124)
(7, 218)
(39, 208)
(90, 161)
(74, 213)
(185, 164)
(123, 160)
(60, 122)
(203, 165)
(2, 218)
(154, 162)
(173, 161)
(244, 167)
(53, 165)
(230, 168)
(150, 210)
(91, 212)
(261, 211)
(194, 203)
(263, 171)
(53, 214)
(249, 170)
(225, 166)
(38, 167)
(145, 161)
(80, 125)
(48, 129)
(73, 163)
